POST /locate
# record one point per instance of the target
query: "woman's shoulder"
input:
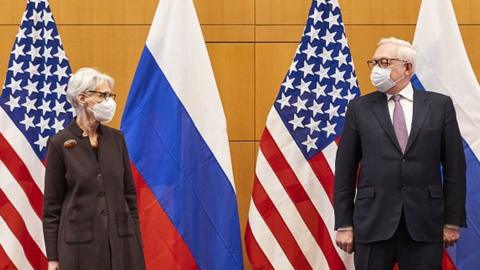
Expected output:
(110, 130)
(62, 135)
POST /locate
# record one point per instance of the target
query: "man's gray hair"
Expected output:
(405, 50)
(84, 80)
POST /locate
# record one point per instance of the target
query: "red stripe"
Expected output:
(447, 263)
(20, 172)
(257, 258)
(297, 194)
(16, 224)
(5, 262)
(277, 226)
(163, 246)
(324, 173)
(338, 139)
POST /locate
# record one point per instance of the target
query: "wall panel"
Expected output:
(401, 12)
(130, 12)
(279, 33)
(281, 11)
(225, 12)
(471, 39)
(234, 72)
(360, 12)
(7, 36)
(243, 162)
(272, 61)
(11, 11)
(228, 33)
(103, 12)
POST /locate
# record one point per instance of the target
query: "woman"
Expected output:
(90, 217)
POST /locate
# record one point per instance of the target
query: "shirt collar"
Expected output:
(406, 93)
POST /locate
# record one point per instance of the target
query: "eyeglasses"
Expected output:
(104, 95)
(383, 62)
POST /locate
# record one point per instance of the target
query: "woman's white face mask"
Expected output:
(103, 111)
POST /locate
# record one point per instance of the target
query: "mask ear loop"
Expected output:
(92, 99)
(403, 76)
(399, 79)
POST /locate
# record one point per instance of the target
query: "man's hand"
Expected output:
(450, 236)
(53, 265)
(344, 240)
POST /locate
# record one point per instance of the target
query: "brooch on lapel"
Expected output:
(70, 143)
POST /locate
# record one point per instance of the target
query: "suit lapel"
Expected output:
(380, 110)
(421, 107)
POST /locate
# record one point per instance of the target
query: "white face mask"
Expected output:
(380, 78)
(104, 111)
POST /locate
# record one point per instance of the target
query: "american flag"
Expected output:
(33, 107)
(291, 220)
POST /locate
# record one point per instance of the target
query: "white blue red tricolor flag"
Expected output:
(291, 219)
(176, 134)
(33, 106)
(443, 66)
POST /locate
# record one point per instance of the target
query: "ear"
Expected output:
(82, 100)
(408, 69)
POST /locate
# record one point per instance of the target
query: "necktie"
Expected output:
(399, 124)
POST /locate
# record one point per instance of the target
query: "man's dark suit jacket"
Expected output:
(370, 159)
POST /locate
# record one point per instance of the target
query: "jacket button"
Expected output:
(403, 160)
(104, 212)
(101, 194)
(99, 176)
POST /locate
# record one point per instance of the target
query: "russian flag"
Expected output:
(175, 129)
(443, 66)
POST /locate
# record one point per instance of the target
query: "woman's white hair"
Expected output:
(84, 80)
(405, 50)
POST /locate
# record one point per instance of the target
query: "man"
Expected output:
(402, 150)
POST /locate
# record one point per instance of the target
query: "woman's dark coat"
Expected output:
(90, 216)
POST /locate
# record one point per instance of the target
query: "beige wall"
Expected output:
(251, 44)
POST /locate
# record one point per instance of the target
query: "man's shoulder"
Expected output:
(367, 98)
(432, 96)
(376, 95)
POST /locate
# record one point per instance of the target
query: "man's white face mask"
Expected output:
(380, 78)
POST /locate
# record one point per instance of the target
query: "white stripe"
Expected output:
(306, 176)
(438, 72)
(330, 152)
(12, 247)
(176, 42)
(289, 213)
(19, 200)
(266, 240)
(23, 149)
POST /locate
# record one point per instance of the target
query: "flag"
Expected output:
(443, 66)
(291, 218)
(175, 129)
(33, 107)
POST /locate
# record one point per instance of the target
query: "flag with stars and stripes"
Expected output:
(33, 107)
(291, 219)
